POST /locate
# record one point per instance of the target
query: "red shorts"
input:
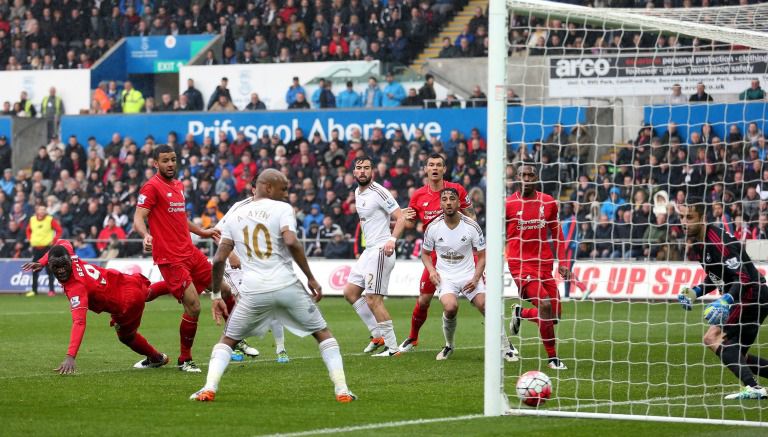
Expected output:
(194, 269)
(134, 290)
(536, 286)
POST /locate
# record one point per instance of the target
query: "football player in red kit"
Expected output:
(98, 289)
(424, 206)
(530, 215)
(186, 271)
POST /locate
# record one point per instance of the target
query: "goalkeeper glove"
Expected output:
(717, 312)
(687, 296)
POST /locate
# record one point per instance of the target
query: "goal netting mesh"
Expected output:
(630, 114)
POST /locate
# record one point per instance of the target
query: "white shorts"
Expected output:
(234, 277)
(449, 285)
(290, 306)
(372, 270)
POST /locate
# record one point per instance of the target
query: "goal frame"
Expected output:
(499, 12)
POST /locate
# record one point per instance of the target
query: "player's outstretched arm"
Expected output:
(297, 253)
(79, 307)
(214, 233)
(426, 259)
(140, 226)
(218, 307)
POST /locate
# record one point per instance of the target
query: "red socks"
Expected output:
(141, 346)
(546, 329)
(158, 289)
(230, 301)
(187, 331)
(417, 320)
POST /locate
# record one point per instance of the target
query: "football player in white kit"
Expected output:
(455, 238)
(376, 208)
(263, 234)
(233, 275)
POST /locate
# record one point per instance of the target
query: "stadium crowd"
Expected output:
(91, 189)
(49, 34)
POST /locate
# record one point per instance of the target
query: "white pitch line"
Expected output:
(639, 401)
(372, 426)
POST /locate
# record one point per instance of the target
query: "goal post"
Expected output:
(632, 352)
(495, 399)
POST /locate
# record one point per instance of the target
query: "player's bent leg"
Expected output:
(353, 293)
(420, 311)
(220, 357)
(158, 289)
(713, 338)
(450, 310)
(384, 322)
(331, 354)
(188, 329)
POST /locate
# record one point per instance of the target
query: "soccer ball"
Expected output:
(534, 388)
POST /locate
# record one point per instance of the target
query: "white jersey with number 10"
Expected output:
(256, 228)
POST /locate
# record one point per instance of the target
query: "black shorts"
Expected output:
(744, 321)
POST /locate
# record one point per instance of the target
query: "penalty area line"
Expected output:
(372, 426)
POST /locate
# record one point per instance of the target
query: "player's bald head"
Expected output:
(272, 184)
(270, 176)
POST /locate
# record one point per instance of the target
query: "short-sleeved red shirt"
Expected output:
(91, 288)
(528, 245)
(427, 202)
(168, 224)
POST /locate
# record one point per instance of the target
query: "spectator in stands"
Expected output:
(51, 109)
(393, 93)
(762, 227)
(132, 101)
(26, 108)
(412, 99)
(293, 91)
(223, 104)
(300, 102)
(754, 92)
(5, 153)
(255, 104)
(42, 231)
(448, 50)
(427, 92)
(450, 102)
(338, 247)
(194, 96)
(314, 216)
(110, 230)
(372, 96)
(477, 99)
(221, 90)
(611, 205)
(325, 97)
(349, 98)
(700, 95)
(512, 98)
(677, 97)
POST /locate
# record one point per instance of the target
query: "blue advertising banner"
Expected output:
(13, 280)
(162, 54)
(689, 118)
(526, 124)
(5, 127)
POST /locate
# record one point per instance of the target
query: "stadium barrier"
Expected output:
(603, 280)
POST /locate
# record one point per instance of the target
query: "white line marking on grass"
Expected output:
(372, 426)
(638, 401)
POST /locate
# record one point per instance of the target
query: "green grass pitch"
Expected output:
(107, 397)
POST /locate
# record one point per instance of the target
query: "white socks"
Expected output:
(220, 357)
(388, 332)
(279, 334)
(366, 315)
(329, 350)
(449, 330)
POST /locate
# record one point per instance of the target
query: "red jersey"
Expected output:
(167, 219)
(94, 288)
(427, 202)
(528, 248)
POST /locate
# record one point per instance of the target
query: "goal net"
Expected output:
(629, 115)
